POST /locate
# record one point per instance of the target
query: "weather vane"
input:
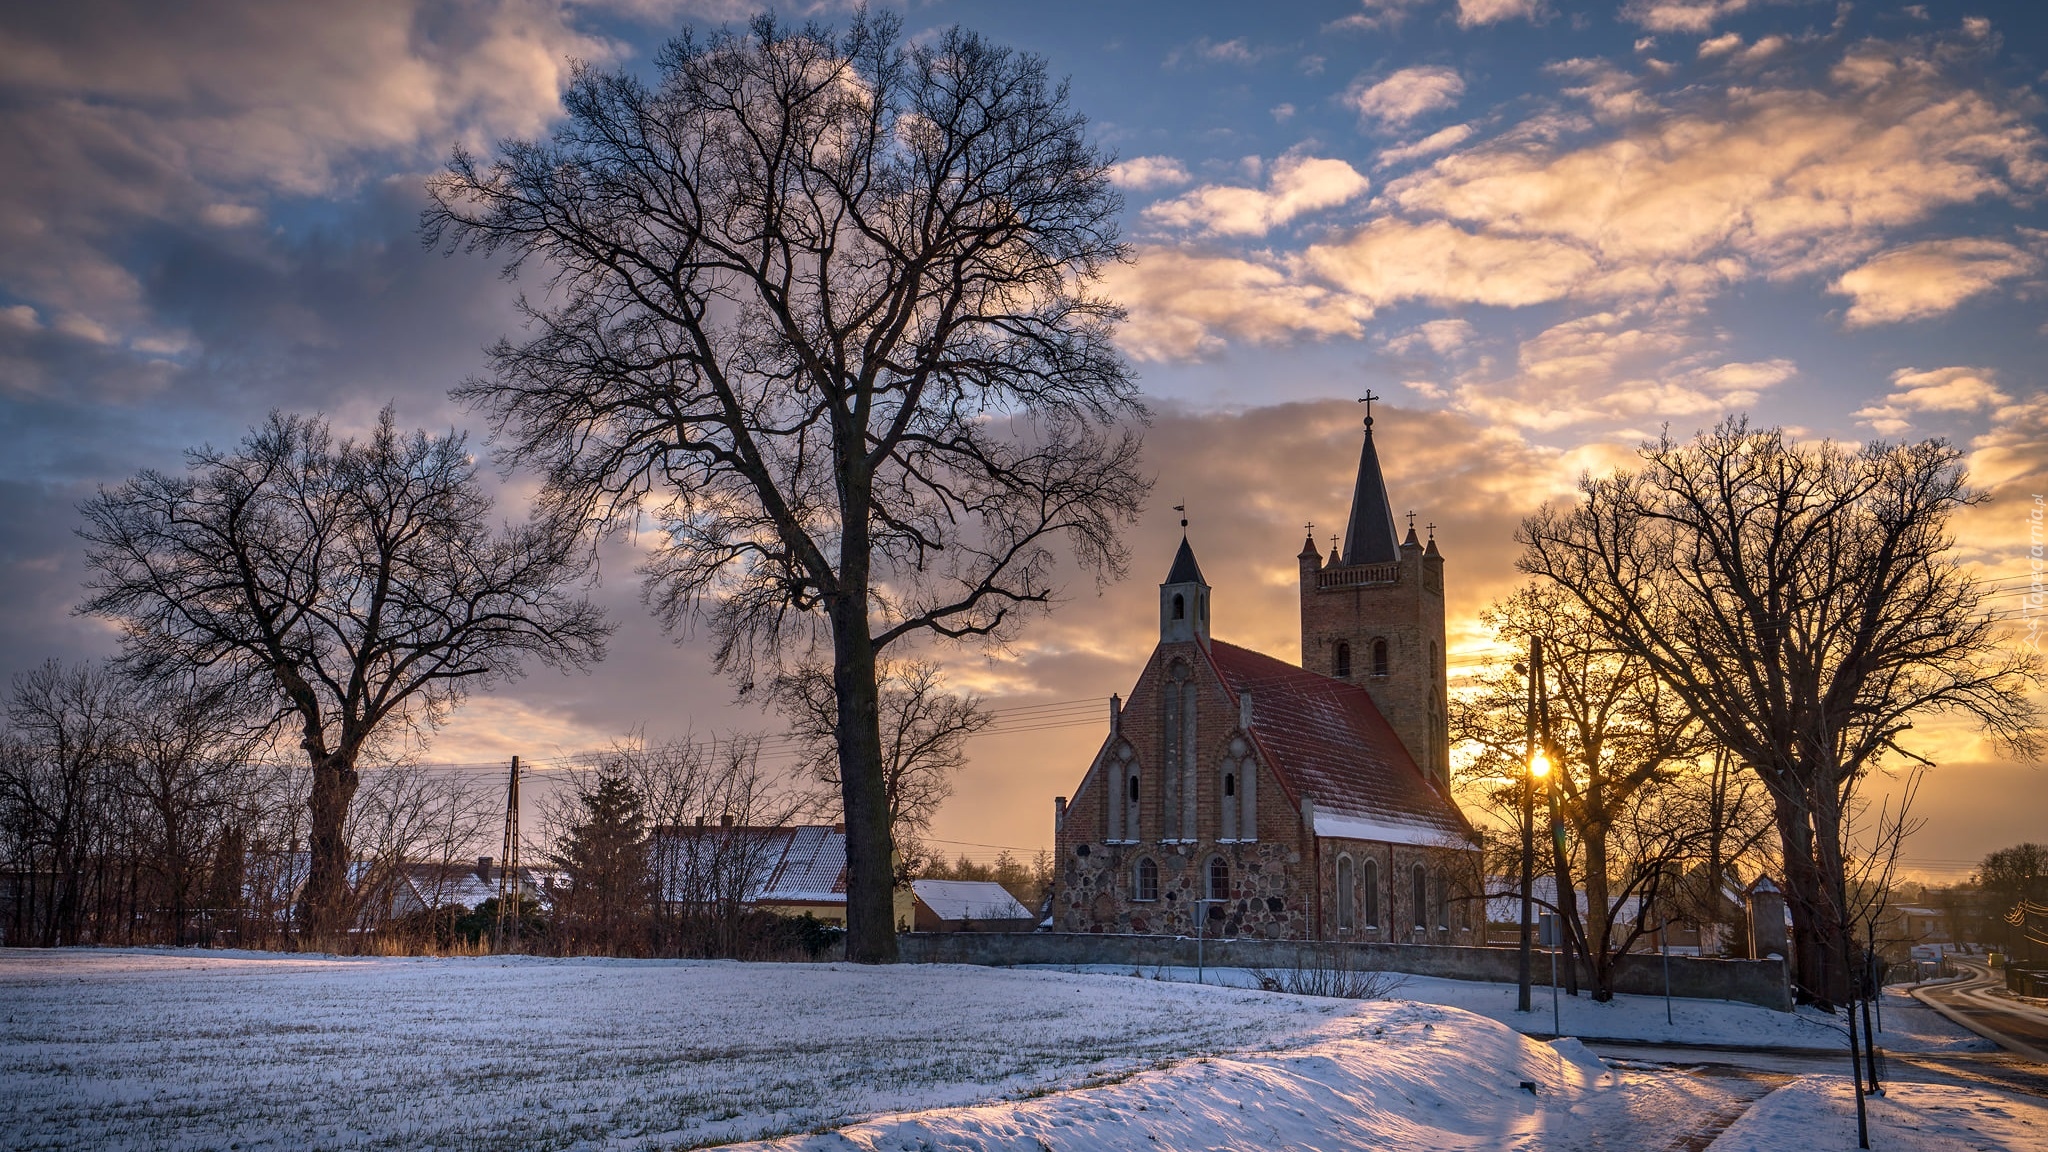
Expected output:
(1182, 508)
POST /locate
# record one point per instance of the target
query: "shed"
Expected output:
(967, 906)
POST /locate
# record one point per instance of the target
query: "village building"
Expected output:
(967, 906)
(1281, 800)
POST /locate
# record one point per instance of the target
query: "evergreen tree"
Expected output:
(610, 887)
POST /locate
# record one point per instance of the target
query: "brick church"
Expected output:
(1284, 801)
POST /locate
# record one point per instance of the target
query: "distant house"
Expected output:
(449, 886)
(787, 869)
(967, 906)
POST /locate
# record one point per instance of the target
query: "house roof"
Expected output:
(789, 864)
(969, 900)
(1327, 741)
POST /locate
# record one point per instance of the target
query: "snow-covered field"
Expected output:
(193, 1050)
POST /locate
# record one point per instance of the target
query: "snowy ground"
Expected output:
(186, 1050)
(1907, 1118)
(1909, 1026)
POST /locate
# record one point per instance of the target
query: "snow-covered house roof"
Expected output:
(968, 900)
(789, 864)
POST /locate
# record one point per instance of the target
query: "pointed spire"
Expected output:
(1308, 546)
(1369, 537)
(1185, 570)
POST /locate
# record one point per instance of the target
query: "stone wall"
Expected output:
(1760, 982)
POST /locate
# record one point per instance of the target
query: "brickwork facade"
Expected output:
(1348, 614)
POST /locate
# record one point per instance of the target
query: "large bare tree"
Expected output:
(360, 584)
(820, 305)
(1805, 604)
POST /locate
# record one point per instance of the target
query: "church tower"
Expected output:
(1374, 616)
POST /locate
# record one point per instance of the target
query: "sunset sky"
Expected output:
(1541, 230)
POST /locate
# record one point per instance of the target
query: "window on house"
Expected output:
(1372, 893)
(1180, 607)
(1379, 657)
(1347, 893)
(1145, 885)
(1421, 901)
(1343, 661)
(1219, 879)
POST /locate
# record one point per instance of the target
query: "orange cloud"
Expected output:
(1929, 278)
(1298, 185)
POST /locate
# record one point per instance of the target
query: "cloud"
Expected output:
(1406, 95)
(125, 114)
(1296, 185)
(1236, 51)
(1187, 305)
(1375, 15)
(1956, 389)
(1143, 172)
(1442, 140)
(1720, 45)
(1473, 13)
(1392, 260)
(1928, 278)
(1690, 16)
(1443, 337)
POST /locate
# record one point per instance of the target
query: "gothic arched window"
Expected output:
(1379, 657)
(1343, 661)
(1372, 893)
(1145, 885)
(1443, 903)
(1219, 879)
(1180, 607)
(1347, 893)
(1230, 783)
(1421, 899)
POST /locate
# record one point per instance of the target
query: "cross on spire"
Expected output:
(1367, 400)
(1432, 529)
(1311, 526)
(1411, 521)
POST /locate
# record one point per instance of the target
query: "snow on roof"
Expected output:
(969, 900)
(789, 864)
(1327, 740)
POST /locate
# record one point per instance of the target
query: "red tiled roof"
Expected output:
(1327, 740)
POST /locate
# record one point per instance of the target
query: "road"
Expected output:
(1979, 1002)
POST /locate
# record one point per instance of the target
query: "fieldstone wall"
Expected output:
(1760, 982)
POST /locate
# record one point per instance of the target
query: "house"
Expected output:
(440, 886)
(967, 906)
(791, 870)
(1281, 800)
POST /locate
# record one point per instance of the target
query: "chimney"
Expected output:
(483, 868)
(725, 821)
(700, 823)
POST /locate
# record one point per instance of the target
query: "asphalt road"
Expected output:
(1980, 1003)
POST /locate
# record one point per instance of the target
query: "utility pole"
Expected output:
(508, 868)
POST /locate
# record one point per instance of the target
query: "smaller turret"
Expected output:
(1184, 600)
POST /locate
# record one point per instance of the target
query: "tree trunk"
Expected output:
(1599, 914)
(326, 894)
(1806, 899)
(870, 845)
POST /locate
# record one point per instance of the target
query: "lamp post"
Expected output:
(1529, 757)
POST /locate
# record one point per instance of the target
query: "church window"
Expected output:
(1372, 893)
(1343, 661)
(1219, 878)
(1180, 607)
(1379, 657)
(1134, 789)
(1421, 900)
(1230, 784)
(1443, 901)
(1464, 914)
(1145, 884)
(1347, 893)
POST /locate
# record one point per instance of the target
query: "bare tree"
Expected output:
(361, 585)
(56, 781)
(1616, 734)
(1804, 603)
(822, 307)
(924, 728)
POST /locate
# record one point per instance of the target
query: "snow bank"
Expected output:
(1820, 1112)
(1394, 1076)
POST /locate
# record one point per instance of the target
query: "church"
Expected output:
(1276, 800)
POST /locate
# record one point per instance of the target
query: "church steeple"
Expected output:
(1369, 536)
(1184, 598)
